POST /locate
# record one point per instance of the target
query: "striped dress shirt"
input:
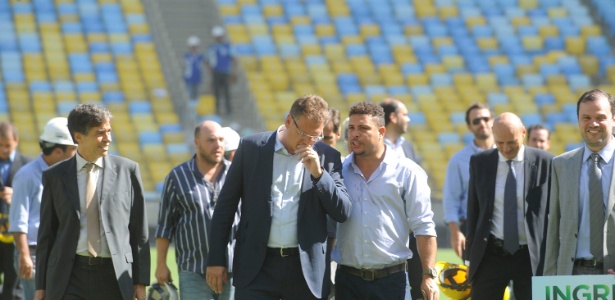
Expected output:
(186, 208)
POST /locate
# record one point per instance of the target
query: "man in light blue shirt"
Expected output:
(390, 198)
(56, 145)
(455, 191)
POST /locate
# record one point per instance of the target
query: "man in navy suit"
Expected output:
(288, 183)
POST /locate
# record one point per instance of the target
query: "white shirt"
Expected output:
(393, 202)
(497, 225)
(285, 192)
(82, 173)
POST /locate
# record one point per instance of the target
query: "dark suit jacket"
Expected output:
(249, 179)
(481, 195)
(409, 150)
(122, 210)
(19, 161)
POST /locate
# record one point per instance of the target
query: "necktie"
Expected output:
(596, 207)
(91, 212)
(511, 234)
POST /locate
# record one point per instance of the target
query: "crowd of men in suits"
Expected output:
(266, 225)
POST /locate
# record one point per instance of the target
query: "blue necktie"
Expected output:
(596, 207)
(511, 233)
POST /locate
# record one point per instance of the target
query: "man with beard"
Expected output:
(455, 190)
(188, 199)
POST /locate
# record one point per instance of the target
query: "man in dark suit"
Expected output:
(93, 236)
(507, 213)
(10, 162)
(288, 184)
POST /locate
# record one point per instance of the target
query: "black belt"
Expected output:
(589, 263)
(498, 245)
(93, 261)
(283, 252)
(373, 274)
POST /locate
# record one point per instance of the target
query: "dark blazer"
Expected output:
(122, 210)
(18, 161)
(249, 180)
(481, 195)
(409, 150)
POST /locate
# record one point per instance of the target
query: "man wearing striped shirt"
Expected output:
(188, 199)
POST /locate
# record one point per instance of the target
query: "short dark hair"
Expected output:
(334, 118)
(389, 106)
(537, 127)
(7, 129)
(47, 148)
(85, 116)
(593, 96)
(370, 109)
(476, 106)
(314, 107)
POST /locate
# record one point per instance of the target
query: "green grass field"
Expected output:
(446, 254)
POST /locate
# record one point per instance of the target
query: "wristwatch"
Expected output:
(432, 272)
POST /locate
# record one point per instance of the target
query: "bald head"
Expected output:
(508, 133)
(209, 142)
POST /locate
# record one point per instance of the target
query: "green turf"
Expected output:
(446, 254)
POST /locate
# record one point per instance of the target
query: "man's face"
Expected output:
(301, 131)
(539, 138)
(480, 123)
(210, 145)
(7, 146)
(364, 135)
(508, 140)
(96, 143)
(402, 118)
(329, 136)
(596, 123)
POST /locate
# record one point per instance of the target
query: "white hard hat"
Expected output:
(217, 31)
(193, 41)
(231, 139)
(56, 131)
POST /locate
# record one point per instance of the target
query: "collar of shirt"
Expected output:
(478, 149)
(197, 173)
(517, 158)
(605, 153)
(397, 143)
(390, 158)
(81, 162)
(279, 147)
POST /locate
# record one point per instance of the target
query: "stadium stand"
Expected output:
(55, 54)
(531, 57)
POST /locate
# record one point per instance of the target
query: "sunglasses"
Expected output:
(477, 120)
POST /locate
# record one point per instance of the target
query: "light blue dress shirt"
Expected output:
(26, 203)
(606, 165)
(455, 189)
(385, 209)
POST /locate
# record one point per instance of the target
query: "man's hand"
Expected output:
(7, 194)
(25, 266)
(39, 295)
(139, 293)
(310, 160)
(163, 275)
(458, 242)
(610, 271)
(216, 278)
(429, 288)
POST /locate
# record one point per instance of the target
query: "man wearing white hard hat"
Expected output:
(231, 142)
(56, 145)
(193, 67)
(221, 62)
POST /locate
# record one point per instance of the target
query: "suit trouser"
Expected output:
(7, 266)
(496, 270)
(415, 270)
(351, 287)
(93, 282)
(279, 278)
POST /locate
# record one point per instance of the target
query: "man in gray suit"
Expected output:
(578, 178)
(288, 184)
(93, 238)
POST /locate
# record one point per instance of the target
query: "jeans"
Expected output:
(28, 285)
(194, 286)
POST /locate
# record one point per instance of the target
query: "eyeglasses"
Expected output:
(313, 138)
(477, 120)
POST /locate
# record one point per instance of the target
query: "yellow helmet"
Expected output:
(452, 280)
